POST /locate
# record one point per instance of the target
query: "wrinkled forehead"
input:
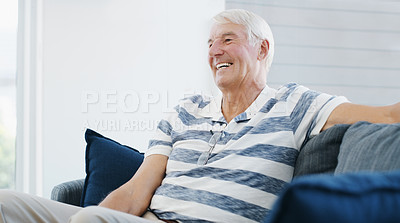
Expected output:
(222, 30)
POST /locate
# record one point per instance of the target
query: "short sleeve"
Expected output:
(161, 142)
(180, 119)
(308, 109)
(325, 112)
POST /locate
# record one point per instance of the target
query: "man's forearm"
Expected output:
(348, 113)
(135, 195)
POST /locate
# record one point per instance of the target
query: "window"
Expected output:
(8, 58)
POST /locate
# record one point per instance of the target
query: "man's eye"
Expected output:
(228, 40)
(210, 45)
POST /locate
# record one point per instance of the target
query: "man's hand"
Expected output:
(135, 195)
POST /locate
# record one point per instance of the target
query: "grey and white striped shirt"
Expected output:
(251, 162)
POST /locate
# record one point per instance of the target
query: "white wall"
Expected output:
(116, 67)
(345, 47)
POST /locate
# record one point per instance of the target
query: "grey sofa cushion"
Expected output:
(319, 154)
(370, 147)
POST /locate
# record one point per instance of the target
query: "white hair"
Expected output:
(257, 28)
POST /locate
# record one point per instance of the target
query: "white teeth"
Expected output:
(223, 65)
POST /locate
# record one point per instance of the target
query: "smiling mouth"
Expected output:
(223, 65)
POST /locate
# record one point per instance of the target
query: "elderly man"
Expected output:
(222, 159)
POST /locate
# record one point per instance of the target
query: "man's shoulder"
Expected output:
(289, 89)
(195, 104)
(198, 100)
(294, 90)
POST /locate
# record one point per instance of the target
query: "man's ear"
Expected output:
(264, 48)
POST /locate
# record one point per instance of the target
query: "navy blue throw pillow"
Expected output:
(353, 197)
(108, 165)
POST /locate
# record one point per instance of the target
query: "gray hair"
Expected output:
(257, 28)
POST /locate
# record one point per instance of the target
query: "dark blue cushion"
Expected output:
(108, 166)
(352, 197)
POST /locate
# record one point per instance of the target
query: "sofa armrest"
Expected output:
(68, 192)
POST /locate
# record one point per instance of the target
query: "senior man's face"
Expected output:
(231, 57)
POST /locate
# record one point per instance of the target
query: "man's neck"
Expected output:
(236, 102)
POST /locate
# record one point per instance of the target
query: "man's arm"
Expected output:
(349, 113)
(134, 196)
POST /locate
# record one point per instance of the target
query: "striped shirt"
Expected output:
(251, 162)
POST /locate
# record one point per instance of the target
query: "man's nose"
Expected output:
(215, 49)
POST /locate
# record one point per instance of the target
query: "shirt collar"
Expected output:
(213, 109)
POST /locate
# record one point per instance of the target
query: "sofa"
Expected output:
(348, 173)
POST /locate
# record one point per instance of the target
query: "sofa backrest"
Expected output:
(344, 148)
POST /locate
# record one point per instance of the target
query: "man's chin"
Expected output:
(223, 84)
